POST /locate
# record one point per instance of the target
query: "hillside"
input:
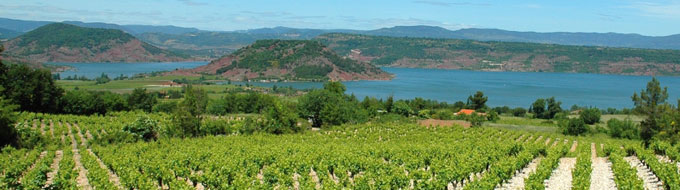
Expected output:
(8, 34)
(68, 43)
(502, 56)
(288, 60)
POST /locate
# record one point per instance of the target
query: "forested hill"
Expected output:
(289, 60)
(502, 56)
(60, 42)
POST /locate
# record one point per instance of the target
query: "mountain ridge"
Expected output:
(59, 42)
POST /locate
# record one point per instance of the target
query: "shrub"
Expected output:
(519, 112)
(493, 116)
(281, 120)
(475, 120)
(401, 108)
(165, 107)
(8, 133)
(623, 129)
(574, 126)
(143, 128)
(590, 116)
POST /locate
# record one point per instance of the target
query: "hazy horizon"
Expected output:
(610, 16)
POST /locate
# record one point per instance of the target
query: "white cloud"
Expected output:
(669, 10)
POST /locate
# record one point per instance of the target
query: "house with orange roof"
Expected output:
(468, 112)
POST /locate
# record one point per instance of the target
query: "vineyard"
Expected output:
(366, 156)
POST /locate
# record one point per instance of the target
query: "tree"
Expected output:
(187, 117)
(590, 116)
(141, 100)
(33, 90)
(538, 108)
(335, 87)
(574, 126)
(8, 134)
(540, 111)
(401, 108)
(652, 103)
(103, 79)
(623, 129)
(477, 101)
(389, 103)
(329, 107)
(553, 108)
(493, 116)
(519, 112)
(280, 120)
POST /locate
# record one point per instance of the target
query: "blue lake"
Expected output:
(93, 70)
(513, 89)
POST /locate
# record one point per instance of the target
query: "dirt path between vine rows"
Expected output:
(83, 183)
(517, 181)
(113, 178)
(651, 182)
(55, 168)
(560, 179)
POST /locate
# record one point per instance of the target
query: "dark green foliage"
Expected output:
(492, 116)
(478, 101)
(103, 79)
(33, 90)
(401, 108)
(652, 103)
(389, 103)
(8, 134)
(591, 115)
(539, 109)
(329, 106)
(141, 100)
(143, 128)
(280, 119)
(241, 103)
(312, 71)
(475, 119)
(623, 129)
(72, 36)
(188, 115)
(81, 102)
(165, 107)
(574, 126)
(519, 112)
(335, 87)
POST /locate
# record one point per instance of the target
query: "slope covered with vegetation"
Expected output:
(503, 56)
(60, 42)
(290, 60)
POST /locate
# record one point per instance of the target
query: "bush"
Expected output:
(28, 138)
(493, 116)
(475, 120)
(143, 128)
(165, 107)
(401, 108)
(216, 127)
(519, 112)
(280, 120)
(574, 126)
(623, 129)
(590, 116)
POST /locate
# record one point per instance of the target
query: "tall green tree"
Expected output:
(554, 107)
(651, 102)
(538, 108)
(8, 133)
(477, 101)
(188, 115)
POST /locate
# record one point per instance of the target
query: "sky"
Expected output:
(653, 18)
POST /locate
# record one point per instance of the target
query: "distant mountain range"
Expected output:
(59, 42)
(501, 56)
(173, 37)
